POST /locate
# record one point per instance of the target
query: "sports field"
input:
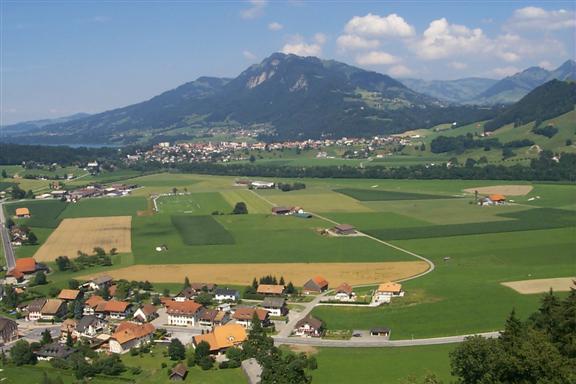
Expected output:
(73, 235)
(299, 273)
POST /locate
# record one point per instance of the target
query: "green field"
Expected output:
(43, 213)
(380, 195)
(381, 365)
(105, 206)
(202, 203)
(201, 230)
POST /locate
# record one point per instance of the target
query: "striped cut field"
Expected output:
(73, 235)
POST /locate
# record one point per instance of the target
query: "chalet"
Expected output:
(130, 335)
(8, 330)
(91, 304)
(22, 212)
(270, 289)
(146, 313)
(69, 294)
(54, 350)
(244, 316)
(212, 317)
(386, 291)
(317, 284)
(344, 292)
(282, 210)
(380, 331)
(53, 309)
(309, 327)
(99, 283)
(226, 294)
(179, 372)
(222, 337)
(344, 229)
(118, 309)
(89, 326)
(183, 313)
(67, 328)
(187, 293)
(276, 306)
(34, 309)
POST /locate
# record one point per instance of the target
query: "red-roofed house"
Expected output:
(317, 284)
(183, 312)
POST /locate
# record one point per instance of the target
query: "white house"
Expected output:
(309, 327)
(146, 313)
(386, 291)
(183, 313)
(276, 306)
(34, 309)
(226, 294)
(89, 326)
(130, 335)
(344, 292)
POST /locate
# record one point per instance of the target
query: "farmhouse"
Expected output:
(344, 229)
(494, 199)
(179, 372)
(187, 293)
(54, 350)
(276, 306)
(222, 337)
(309, 327)
(99, 282)
(146, 313)
(244, 316)
(344, 292)
(317, 284)
(22, 212)
(226, 294)
(270, 289)
(386, 291)
(54, 308)
(130, 335)
(24, 266)
(69, 294)
(34, 309)
(92, 303)
(89, 326)
(117, 309)
(183, 313)
(282, 210)
(8, 330)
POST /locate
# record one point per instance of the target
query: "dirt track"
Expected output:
(84, 234)
(506, 190)
(298, 273)
(528, 287)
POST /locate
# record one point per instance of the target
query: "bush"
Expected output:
(548, 131)
(240, 208)
(206, 363)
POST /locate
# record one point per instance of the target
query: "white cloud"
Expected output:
(546, 65)
(275, 26)
(256, 9)
(535, 18)
(376, 58)
(353, 42)
(441, 40)
(400, 70)
(249, 55)
(375, 25)
(458, 65)
(505, 71)
(298, 46)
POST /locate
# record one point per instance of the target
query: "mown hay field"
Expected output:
(298, 273)
(202, 203)
(529, 287)
(73, 235)
(201, 230)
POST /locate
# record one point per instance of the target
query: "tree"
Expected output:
(78, 308)
(17, 193)
(10, 223)
(252, 158)
(4, 174)
(156, 300)
(187, 283)
(282, 282)
(290, 289)
(40, 278)
(46, 337)
(473, 360)
(21, 353)
(10, 296)
(99, 251)
(176, 350)
(240, 208)
(105, 292)
(202, 350)
(206, 363)
(63, 263)
(113, 251)
(166, 292)
(174, 190)
(73, 284)
(69, 340)
(29, 194)
(204, 298)
(32, 239)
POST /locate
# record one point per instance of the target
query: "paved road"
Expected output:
(8, 251)
(297, 316)
(368, 342)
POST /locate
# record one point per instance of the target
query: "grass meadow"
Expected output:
(43, 213)
(201, 203)
(105, 206)
(201, 230)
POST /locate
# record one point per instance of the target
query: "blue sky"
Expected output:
(63, 57)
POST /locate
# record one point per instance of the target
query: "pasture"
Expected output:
(201, 230)
(73, 235)
(105, 206)
(43, 213)
(381, 195)
(201, 203)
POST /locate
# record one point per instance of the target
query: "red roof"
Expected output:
(320, 281)
(116, 306)
(26, 265)
(188, 307)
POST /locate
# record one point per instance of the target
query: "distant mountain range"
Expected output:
(33, 125)
(289, 97)
(483, 91)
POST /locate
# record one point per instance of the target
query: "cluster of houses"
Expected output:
(291, 211)
(383, 294)
(19, 234)
(90, 191)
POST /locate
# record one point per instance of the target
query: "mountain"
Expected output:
(455, 91)
(286, 96)
(552, 99)
(29, 126)
(513, 88)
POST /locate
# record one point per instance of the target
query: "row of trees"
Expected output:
(83, 260)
